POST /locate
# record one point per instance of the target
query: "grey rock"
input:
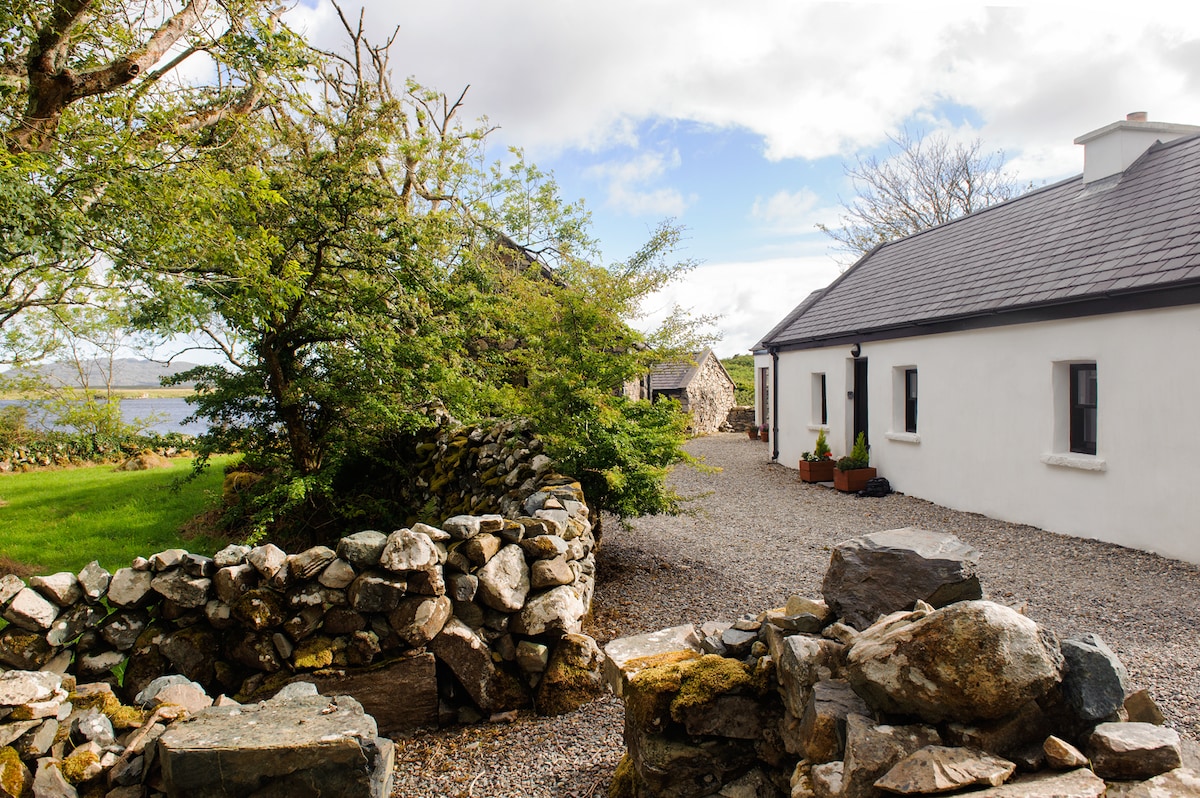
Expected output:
(572, 677)
(362, 549)
(10, 586)
(435, 534)
(267, 559)
(93, 581)
(936, 768)
(146, 696)
(73, 622)
(885, 572)
(232, 581)
(544, 547)
(376, 591)
(49, 782)
(233, 554)
(29, 610)
(504, 581)
(94, 726)
(1094, 681)
(822, 729)
(738, 641)
(310, 562)
(282, 748)
(1061, 755)
(1080, 783)
(26, 687)
(165, 560)
(872, 750)
(218, 614)
(1133, 750)
(550, 573)
(99, 663)
(198, 565)
(337, 574)
(121, 629)
(255, 651)
(376, 689)
(481, 548)
(803, 661)
(406, 550)
(461, 527)
(1009, 737)
(559, 609)
(295, 690)
(1179, 783)
(182, 588)
(23, 649)
(462, 587)
(419, 620)
(469, 658)
(532, 657)
(130, 587)
(918, 668)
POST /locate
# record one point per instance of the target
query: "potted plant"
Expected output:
(854, 469)
(817, 465)
(753, 433)
(764, 433)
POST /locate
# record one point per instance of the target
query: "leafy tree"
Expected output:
(741, 371)
(922, 182)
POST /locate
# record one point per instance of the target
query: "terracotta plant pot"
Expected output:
(853, 480)
(764, 436)
(753, 433)
(817, 470)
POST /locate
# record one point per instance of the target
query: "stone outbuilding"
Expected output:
(702, 386)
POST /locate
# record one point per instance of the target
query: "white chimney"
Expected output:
(1111, 149)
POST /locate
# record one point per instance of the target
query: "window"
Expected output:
(1084, 408)
(910, 400)
(820, 400)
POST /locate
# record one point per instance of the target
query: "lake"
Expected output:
(169, 413)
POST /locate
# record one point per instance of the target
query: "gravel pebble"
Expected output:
(752, 535)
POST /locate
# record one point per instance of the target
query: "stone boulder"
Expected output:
(1133, 750)
(886, 572)
(937, 768)
(972, 660)
(572, 676)
(1094, 680)
(504, 580)
(470, 660)
(307, 745)
(873, 749)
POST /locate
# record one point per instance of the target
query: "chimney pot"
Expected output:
(1136, 116)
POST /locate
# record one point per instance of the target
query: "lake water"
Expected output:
(168, 412)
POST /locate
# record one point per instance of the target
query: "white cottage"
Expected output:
(1037, 361)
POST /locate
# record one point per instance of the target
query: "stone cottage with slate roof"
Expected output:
(1037, 361)
(702, 386)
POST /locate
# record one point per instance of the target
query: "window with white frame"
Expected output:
(1084, 408)
(904, 404)
(820, 400)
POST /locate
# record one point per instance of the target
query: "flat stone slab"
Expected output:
(309, 745)
(377, 689)
(622, 656)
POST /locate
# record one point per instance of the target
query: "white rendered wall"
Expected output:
(985, 438)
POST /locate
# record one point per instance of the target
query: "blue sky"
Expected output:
(735, 119)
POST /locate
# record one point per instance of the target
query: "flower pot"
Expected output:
(753, 433)
(764, 435)
(817, 470)
(853, 480)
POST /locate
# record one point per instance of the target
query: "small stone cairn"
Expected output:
(903, 680)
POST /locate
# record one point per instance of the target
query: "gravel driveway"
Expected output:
(753, 535)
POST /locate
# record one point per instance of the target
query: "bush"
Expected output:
(859, 456)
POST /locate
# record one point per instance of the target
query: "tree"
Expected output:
(351, 259)
(89, 97)
(923, 182)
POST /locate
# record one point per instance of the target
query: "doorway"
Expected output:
(860, 400)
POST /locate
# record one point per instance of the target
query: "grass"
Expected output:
(60, 520)
(122, 393)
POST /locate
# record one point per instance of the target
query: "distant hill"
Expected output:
(127, 372)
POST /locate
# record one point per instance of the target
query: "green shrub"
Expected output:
(859, 456)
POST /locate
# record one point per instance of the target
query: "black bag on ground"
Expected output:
(876, 486)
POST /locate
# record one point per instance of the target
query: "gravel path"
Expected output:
(753, 536)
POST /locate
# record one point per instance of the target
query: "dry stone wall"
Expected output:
(465, 618)
(709, 397)
(888, 695)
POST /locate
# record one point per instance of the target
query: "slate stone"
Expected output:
(937, 768)
(298, 746)
(122, 628)
(182, 588)
(310, 562)
(1081, 783)
(1130, 751)
(1094, 680)
(29, 610)
(376, 591)
(822, 728)
(130, 588)
(362, 549)
(557, 610)
(802, 662)
(504, 580)
(73, 622)
(919, 668)
(468, 657)
(93, 581)
(1179, 783)
(198, 565)
(886, 572)
(873, 749)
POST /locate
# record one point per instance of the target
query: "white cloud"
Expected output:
(794, 212)
(629, 188)
(750, 296)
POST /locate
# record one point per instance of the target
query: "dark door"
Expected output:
(860, 398)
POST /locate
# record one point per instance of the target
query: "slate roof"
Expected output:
(1056, 247)
(677, 375)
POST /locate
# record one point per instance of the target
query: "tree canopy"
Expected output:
(923, 181)
(342, 245)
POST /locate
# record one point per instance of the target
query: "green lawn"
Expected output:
(60, 520)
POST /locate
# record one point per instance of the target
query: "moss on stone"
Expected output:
(704, 679)
(624, 781)
(667, 658)
(102, 700)
(314, 652)
(124, 717)
(15, 778)
(74, 767)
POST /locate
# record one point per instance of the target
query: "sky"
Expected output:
(735, 120)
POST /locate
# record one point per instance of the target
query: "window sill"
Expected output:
(1082, 462)
(818, 427)
(903, 437)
